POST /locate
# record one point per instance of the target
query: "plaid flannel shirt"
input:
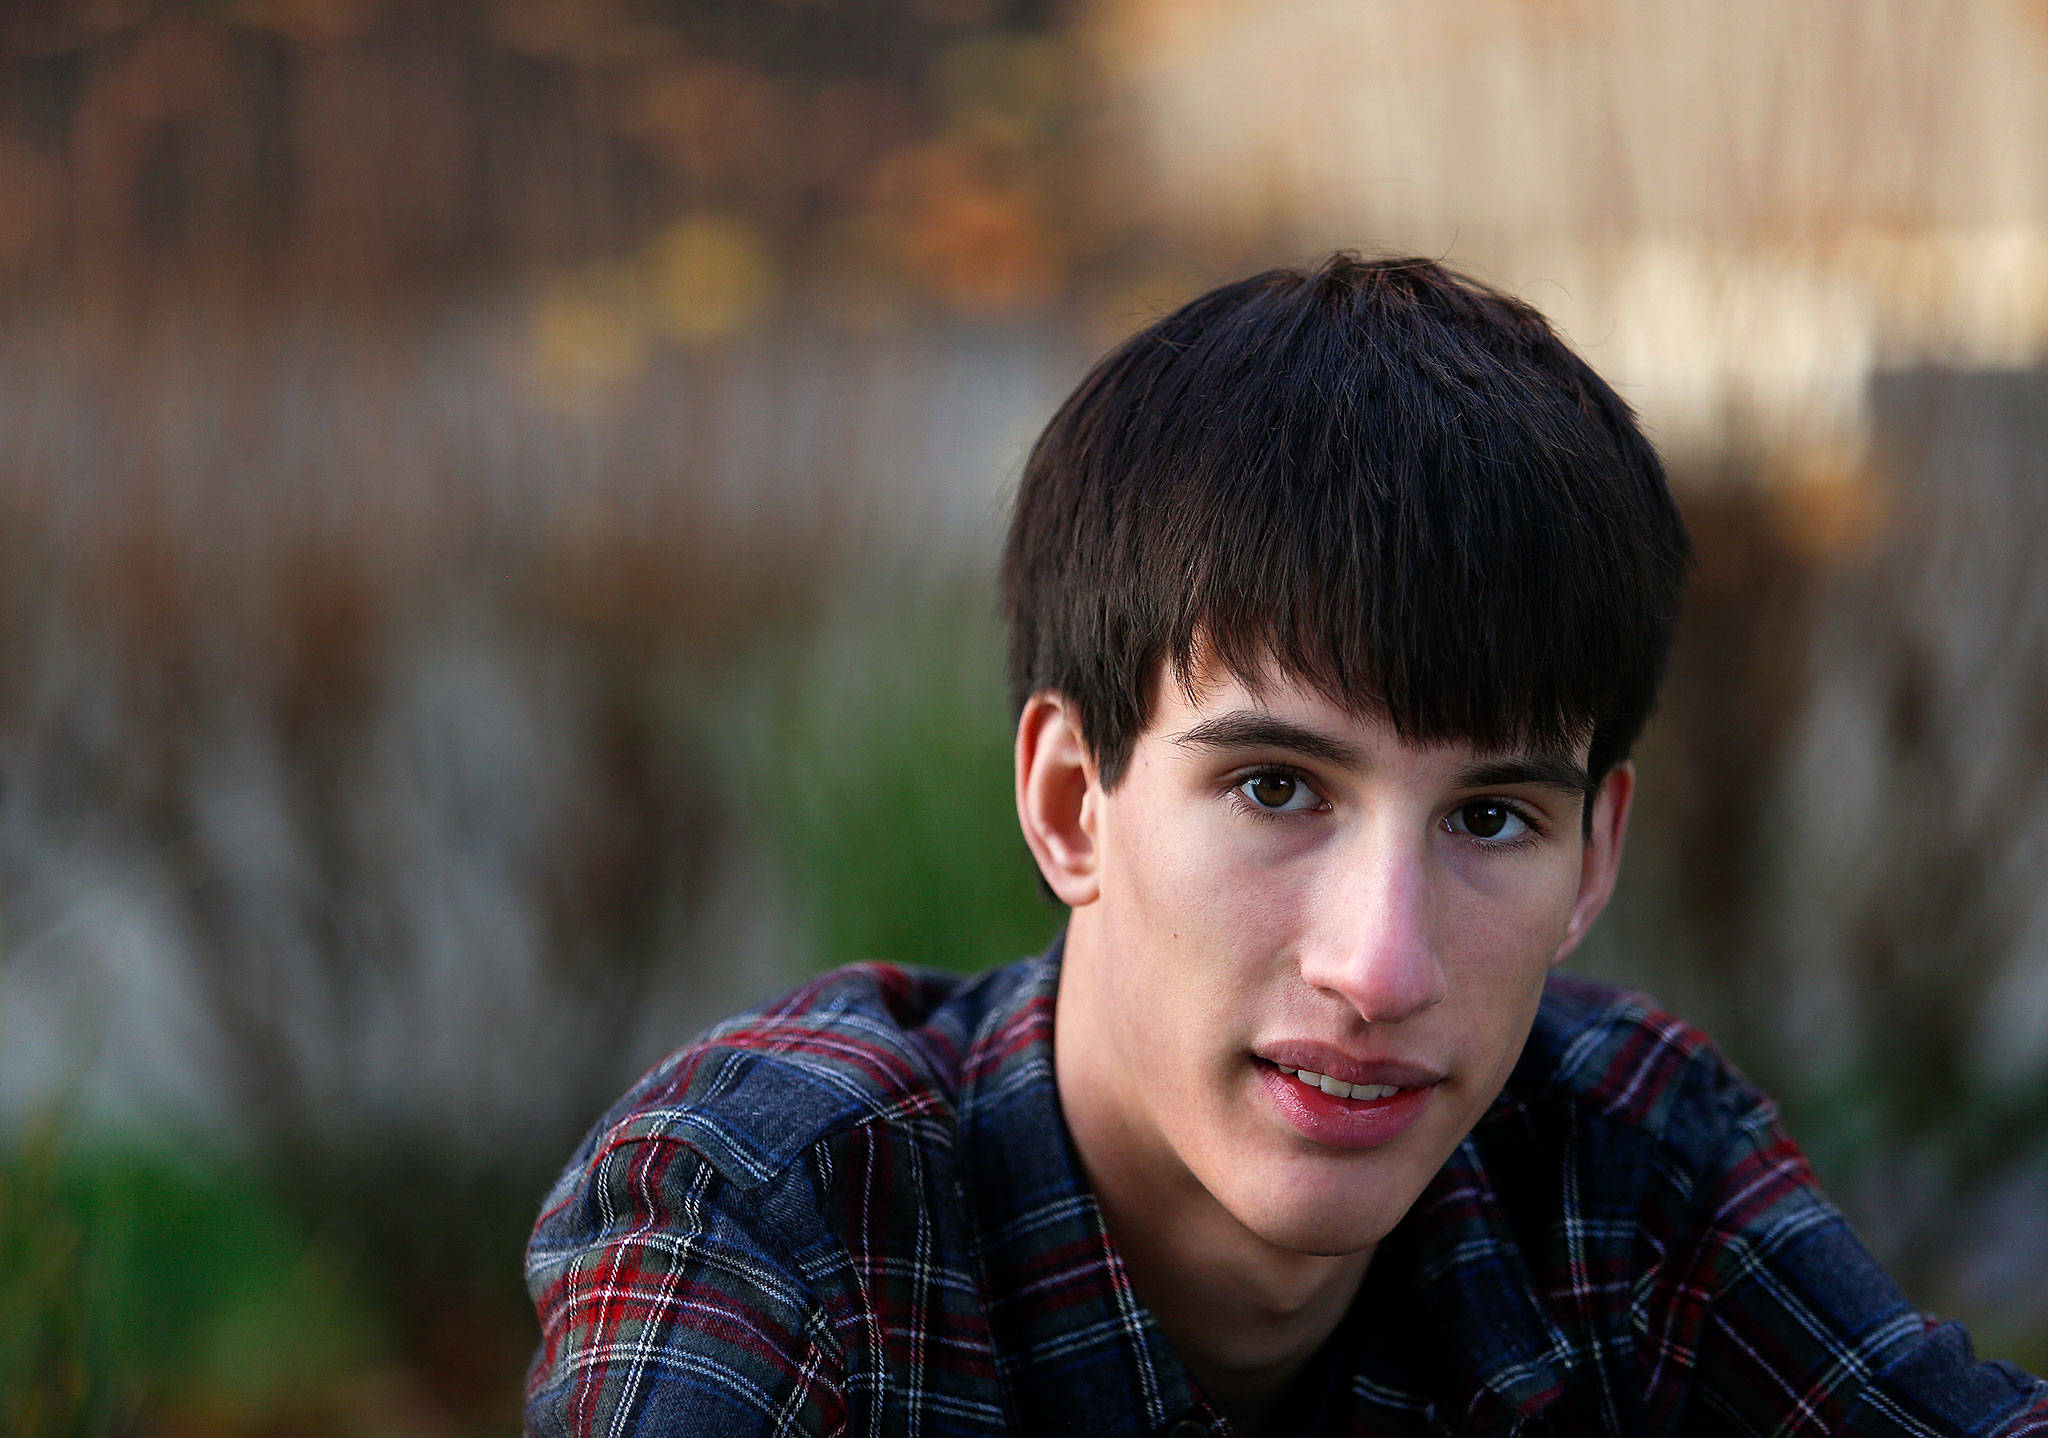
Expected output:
(857, 1211)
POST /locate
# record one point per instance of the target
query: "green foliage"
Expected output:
(888, 794)
(47, 1383)
(141, 1289)
(198, 1272)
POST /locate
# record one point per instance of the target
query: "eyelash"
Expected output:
(1535, 831)
(1271, 771)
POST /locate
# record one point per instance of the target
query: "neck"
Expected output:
(1245, 1322)
(1244, 1314)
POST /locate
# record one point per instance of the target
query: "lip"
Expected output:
(1344, 1122)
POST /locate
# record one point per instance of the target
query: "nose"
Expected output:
(1375, 943)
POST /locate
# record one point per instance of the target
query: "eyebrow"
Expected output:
(1246, 730)
(1548, 771)
(1242, 730)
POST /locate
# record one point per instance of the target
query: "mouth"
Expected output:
(1341, 1114)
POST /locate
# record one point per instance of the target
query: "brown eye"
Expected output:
(1272, 791)
(1488, 819)
(1278, 793)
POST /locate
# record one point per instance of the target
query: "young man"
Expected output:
(1336, 602)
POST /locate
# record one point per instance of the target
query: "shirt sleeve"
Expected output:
(664, 1309)
(1777, 1319)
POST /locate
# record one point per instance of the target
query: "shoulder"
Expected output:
(1622, 1062)
(1626, 1140)
(691, 1267)
(1635, 1120)
(867, 1044)
(1626, 1145)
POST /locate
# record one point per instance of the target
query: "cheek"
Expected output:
(1153, 843)
(1187, 887)
(1509, 923)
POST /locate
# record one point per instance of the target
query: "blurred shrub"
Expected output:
(49, 1383)
(887, 782)
(151, 1292)
(1836, 867)
(396, 761)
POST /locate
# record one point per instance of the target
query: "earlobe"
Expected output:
(1056, 798)
(1600, 861)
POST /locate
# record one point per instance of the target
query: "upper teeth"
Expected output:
(1337, 1088)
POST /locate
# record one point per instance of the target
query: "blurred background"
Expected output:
(497, 509)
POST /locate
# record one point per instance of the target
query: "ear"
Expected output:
(1600, 860)
(1058, 799)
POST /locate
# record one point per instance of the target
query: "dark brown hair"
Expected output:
(1397, 482)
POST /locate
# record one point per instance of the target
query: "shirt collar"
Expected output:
(1075, 1348)
(1471, 1278)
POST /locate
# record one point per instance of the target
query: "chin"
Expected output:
(1320, 1214)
